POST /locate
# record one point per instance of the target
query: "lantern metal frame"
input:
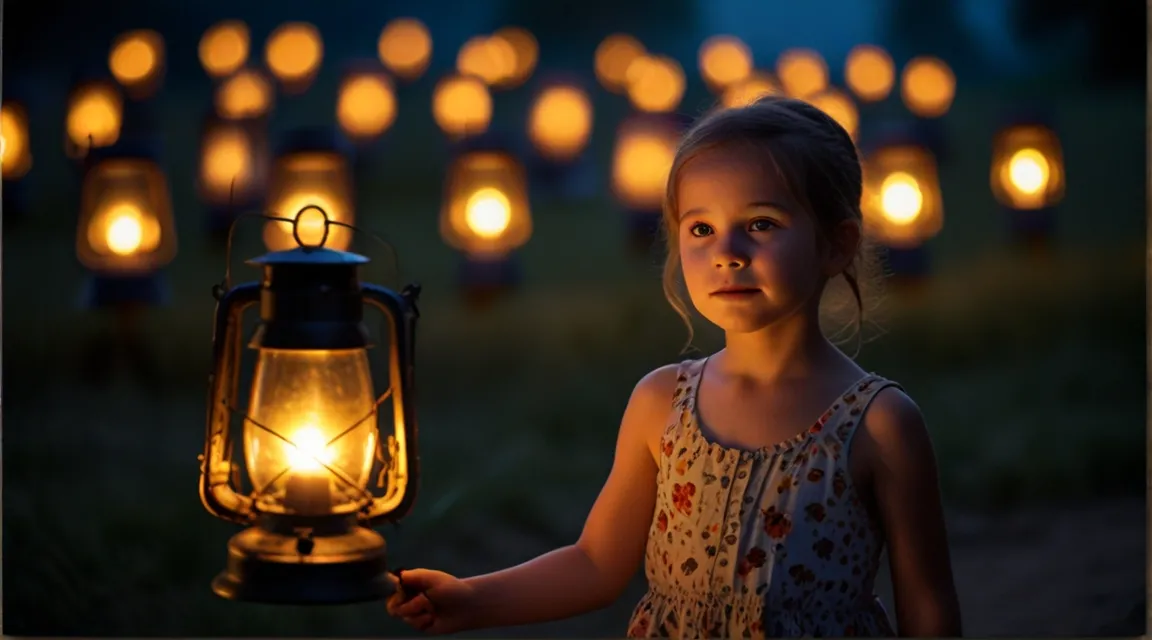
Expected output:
(330, 558)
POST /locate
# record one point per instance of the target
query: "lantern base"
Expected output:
(273, 567)
(643, 232)
(15, 196)
(484, 280)
(1032, 228)
(103, 291)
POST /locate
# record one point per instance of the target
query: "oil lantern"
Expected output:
(94, 117)
(15, 159)
(901, 203)
(645, 149)
(1028, 176)
(125, 234)
(311, 169)
(366, 102)
(486, 215)
(234, 167)
(559, 126)
(320, 473)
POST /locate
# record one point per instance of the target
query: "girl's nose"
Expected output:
(729, 254)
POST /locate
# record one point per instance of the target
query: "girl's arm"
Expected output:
(592, 573)
(902, 468)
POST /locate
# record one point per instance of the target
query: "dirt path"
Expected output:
(1037, 572)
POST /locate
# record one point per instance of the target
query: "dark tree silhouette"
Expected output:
(1117, 33)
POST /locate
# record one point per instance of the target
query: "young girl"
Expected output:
(759, 484)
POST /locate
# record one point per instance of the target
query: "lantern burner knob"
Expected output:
(305, 544)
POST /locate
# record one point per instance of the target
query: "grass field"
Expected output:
(1030, 370)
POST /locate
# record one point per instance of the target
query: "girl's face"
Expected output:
(750, 255)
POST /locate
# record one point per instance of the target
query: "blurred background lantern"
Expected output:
(645, 148)
(525, 52)
(366, 102)
(293, 54)
(234, 167)
(746, 91)
(15, 160)
(1028, 177)
(840, 107)
(869, 73)
(311, 169)
(246, 94)
(224, 48)
(486, 215)
(902, 203)
(489, 58)
(655, 83)
(310, 434)
(125, 234)
(802, 72)
(927, 87)
(95, 115)
(559, 127)
(405, 48)
(137, 62)
(461, 106)
(613, 56)
(723, 61)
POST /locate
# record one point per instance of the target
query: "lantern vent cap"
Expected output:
(309, 256)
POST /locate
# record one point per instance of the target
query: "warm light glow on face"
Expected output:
(491, 59)
(1028, 171)
(525, 50)
(488, 213)
(248, 94)
(95, 112)
(227, 157)
(405, 47)
(900, 198)
(224, 48)
(613, 57)
(724, 60)
(367, 106)
(294, 51)
(869, 72)
(840, 108)
(802, 72)
(928, 87)
(136, 57)
(560, 121)
(461, 105)
(655, 83)
(744, 92)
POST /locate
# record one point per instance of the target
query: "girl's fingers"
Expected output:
(420, 622)
(414, 606)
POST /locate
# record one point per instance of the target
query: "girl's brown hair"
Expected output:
(817, 162)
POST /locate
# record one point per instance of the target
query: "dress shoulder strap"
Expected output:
(683, 397)
(856, 403)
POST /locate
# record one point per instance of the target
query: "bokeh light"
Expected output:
(489, 58)
(840, 107)
(724, 60)
(802, 72)
(293, 54)
(137, 61)
(560, 122)
(405, 48)
(744, 92)
(224, 48)
(525, 50)
(928, 86)
(869, 72)
(655, 83)
(613, 57)
(247, 94)
(366, 106)
(461, 105)
(95, 111)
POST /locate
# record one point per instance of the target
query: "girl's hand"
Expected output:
(432, 601)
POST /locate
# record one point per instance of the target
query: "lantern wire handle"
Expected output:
(272, 216)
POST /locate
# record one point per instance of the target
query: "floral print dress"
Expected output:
(771, 542)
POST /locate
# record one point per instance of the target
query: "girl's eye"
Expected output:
(700, 230)
(761, 224)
